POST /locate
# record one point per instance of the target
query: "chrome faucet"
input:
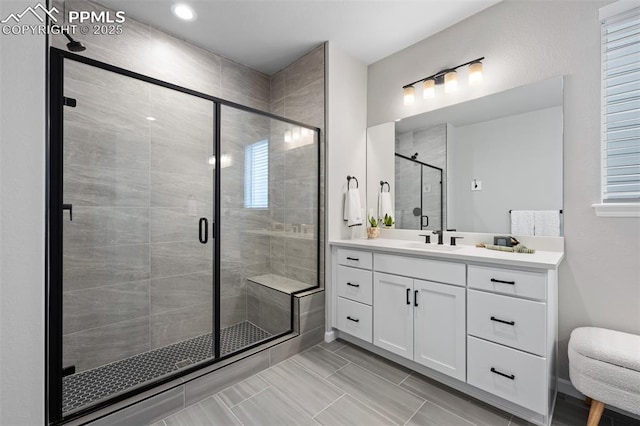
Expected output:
(439, 234)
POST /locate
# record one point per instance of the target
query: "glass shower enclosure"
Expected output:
(180, 225)
(419, 194)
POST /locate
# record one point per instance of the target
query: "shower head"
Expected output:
(73, 45)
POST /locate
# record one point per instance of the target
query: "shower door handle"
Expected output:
(203, 230)
(422, 218)
(70, 208)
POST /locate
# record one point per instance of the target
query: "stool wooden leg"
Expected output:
(595, 413)
(588, 400)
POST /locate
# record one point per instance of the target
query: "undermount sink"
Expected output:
(431, 247)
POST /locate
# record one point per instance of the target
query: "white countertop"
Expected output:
(539, 259)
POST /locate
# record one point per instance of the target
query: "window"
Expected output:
(256, 175)
(620, 110)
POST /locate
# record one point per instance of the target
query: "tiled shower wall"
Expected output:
(297, 92)
(176, 309)
(431, 145)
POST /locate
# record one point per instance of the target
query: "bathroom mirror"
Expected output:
(467, 166)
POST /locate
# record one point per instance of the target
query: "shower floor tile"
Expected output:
(89, 386)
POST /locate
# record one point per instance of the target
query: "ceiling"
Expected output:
(268, 35)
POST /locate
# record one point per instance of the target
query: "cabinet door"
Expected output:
(393, 313)
(440, 341)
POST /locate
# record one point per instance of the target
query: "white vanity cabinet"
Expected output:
(417, 319)
(481, 322)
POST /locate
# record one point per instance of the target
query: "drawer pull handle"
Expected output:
(493, 280)
(355, 259)
(508, 376)
(353, 285)
(503, 321)
(415, 298)
(353, 319)
(408, 295)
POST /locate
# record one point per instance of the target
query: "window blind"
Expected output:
(256, 175)
(621, 107)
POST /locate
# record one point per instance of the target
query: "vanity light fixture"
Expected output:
(475, 73)
(184, 12)
(296, 134)
(429, 88)
(287, 136)
(448, 77)
(409, 93)
(450, 81)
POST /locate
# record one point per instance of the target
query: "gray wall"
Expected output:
(525, 42)
(157, 312)
(297, 92)
(518, 160)
(22, 224)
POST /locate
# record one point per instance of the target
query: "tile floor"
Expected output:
(339, 384)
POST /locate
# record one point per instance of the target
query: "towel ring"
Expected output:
(382, 184)
(349, 181)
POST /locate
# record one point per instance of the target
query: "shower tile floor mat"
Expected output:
(88, 386)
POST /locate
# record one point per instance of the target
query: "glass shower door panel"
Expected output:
(137, 281)
(407, 188)
(268, 222)
(432, 198)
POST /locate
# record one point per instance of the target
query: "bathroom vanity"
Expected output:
(481, 321)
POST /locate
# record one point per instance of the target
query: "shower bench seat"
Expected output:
(269, 301)
(279, 283)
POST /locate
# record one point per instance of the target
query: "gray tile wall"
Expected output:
(297, 92)
(135, 276)
(431, 145)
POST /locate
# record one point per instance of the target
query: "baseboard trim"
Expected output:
(565, 387)
(329, 336)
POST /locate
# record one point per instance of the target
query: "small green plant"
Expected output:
(388, 220)
(373, 222)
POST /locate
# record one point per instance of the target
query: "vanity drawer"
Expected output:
(514, 322)
(424, 269)
(508, 281)
(355, 258)
(355, 284)
(508, 373)
(355, 318)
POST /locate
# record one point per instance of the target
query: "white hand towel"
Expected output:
(547, 223)
(352, 207)
(384, 204)
(522, 222)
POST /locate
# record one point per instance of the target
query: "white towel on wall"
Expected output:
(352, 207)
(522, 222)
(384, 204)
(547, 223)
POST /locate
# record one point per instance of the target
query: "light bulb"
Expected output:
(428, 89)
(475, 73)
(183, 12)
(212, 160)
(409, 95)
(450, 82)
(287, 136)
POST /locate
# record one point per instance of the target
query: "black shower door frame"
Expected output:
(54, 233)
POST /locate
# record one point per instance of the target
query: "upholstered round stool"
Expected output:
(605, 366)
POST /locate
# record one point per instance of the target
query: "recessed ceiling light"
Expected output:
(151, 118)
(183, 11)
